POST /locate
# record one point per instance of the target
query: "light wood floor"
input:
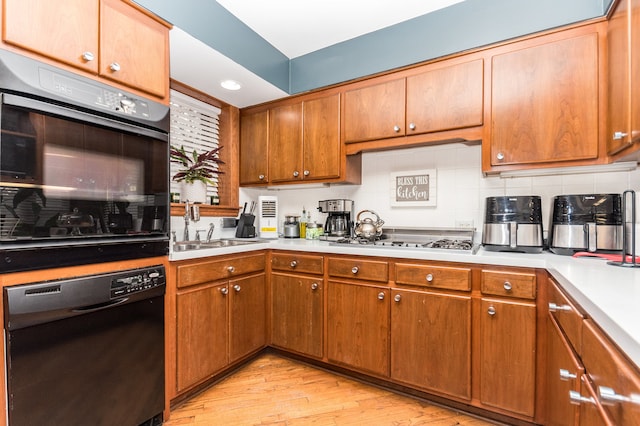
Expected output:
(275, 391)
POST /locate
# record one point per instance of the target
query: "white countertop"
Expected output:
(609, 294)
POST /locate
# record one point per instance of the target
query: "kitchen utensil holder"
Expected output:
(245, 227)
(625, 239)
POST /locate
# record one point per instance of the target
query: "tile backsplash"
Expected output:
(461, 188)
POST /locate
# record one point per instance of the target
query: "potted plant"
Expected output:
(196, 171)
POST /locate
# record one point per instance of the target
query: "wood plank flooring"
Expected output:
(276, 391)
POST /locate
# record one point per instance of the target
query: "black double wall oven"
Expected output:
(83, 180)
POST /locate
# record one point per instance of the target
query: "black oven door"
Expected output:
(78, 187)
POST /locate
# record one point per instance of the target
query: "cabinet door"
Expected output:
(134, 48)
(375, 112)
(297, 314)
(445, 98)
(545, 103)
(591, 411)
(431, 341)
(254, 148)
(202, 334)
(248, 297)
(358, 326)
(563, 376)
(285, 143)
(508, 355)
(321, 138)
(32, 25)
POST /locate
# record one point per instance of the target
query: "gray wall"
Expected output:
(463, 26)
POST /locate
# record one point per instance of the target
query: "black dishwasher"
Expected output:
(87, 350)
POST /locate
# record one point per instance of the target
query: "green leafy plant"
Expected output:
(196, 166)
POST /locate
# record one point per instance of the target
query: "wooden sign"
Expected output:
(413, 188)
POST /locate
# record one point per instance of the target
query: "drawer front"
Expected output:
(512, 284)
(370, 270)
(616, 380)
(213, 270)
(308, 264)
(567, 315)
(433, 276)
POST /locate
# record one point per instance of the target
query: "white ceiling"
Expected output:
(297, 27)
(294, 27)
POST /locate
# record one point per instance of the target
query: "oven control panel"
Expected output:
(137, 280)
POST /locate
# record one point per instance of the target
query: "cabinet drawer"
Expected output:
(616, 380)
(567, 315)
(212, 270)
(433, 276)
(513, 284)
(370, 270)
(307, 264)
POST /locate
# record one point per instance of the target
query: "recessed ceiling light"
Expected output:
(230, 85)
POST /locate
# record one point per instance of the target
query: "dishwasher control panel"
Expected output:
(137, 280)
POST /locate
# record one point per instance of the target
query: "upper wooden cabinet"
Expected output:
(254, 148)
(623, 38)
(442, 96)
(108, 38)
(285, 143)
(545, 101)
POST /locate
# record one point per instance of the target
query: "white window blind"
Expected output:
(194, 125)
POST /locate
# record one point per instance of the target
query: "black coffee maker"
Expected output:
(339, 222)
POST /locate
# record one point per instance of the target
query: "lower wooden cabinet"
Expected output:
(297, 313)
(358, 326)
(508, 355)
(248, 315)
(431, 341)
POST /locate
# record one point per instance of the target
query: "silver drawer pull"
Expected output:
(314, 286)
(566, 375)
(397, 298)
(354, 270)
(381, 295)
(576, 399)
(429, 277)
(224, 290)
(231, 269)
(609, 396)
(293, 264)
(237, 288)
(559, 308)
(491, 311)
(507, 286)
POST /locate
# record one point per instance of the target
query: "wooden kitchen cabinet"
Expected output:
(107, 38)
(545, 101)
(623, 40)
(254, 148)
(436, 97)
(247, 315)
(431, 341)
(285, 143)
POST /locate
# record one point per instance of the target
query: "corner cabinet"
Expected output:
(545, 103)
(106, 38)
(436, 97)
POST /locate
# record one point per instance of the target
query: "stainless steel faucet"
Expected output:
(187, 214)
(210, 232)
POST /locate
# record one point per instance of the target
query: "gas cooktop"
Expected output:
(460, 239)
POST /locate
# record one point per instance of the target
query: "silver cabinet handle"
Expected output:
(412, 126)
(114, 67)
(491, 311)
(396, 128)
(354, 270)
(397, 298)
(314, 286)
(429, 277)
(296, 173)
(237, 288)
(619, 135)
(559, 308)
(576, 399)
(224, 290)
(609, 396)
(507, 286)
(261, 177)
(500, 156)
(566, 375)
(293, 263)
(231, 269)
(88, 56)
(381, 295)
(306, 173)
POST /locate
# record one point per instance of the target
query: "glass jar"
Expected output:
(313, 232)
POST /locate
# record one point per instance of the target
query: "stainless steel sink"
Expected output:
(199, 245)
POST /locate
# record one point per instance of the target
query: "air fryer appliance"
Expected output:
(587, 222)
(268, 216)
(339, 220)
(513, 224)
